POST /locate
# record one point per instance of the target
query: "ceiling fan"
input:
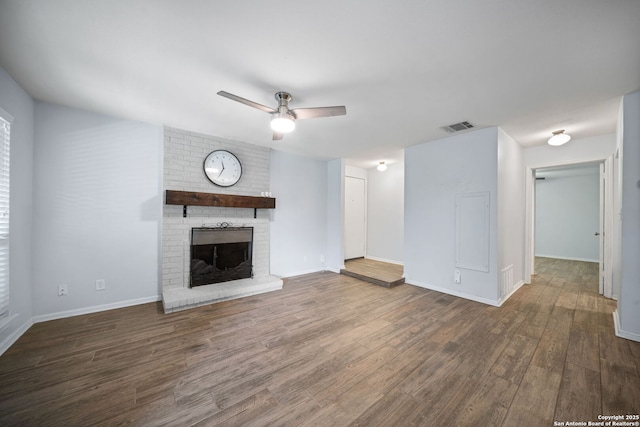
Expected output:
(282, 118)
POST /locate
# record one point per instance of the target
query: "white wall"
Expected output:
(335, 215)
(577, 151)
(568, 214)
(299, 222)
(511, 220)
(385, 213)
(15, 101)
(434, 173)
(617, 207)
(628, 314)
(355, 172)
(97, 211)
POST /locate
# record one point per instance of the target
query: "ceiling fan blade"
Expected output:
(277, 135)
(246, 102)
(312, 113)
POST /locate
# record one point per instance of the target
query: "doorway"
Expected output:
(585, 237)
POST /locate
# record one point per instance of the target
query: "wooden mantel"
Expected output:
(193, 198)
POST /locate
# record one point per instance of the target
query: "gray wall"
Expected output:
(299, 222)
(97, 211)
(568, 213)
(435, 172)
(15, 101)
(335, 214)
(628, 314)
(385, 213)
(511, 214)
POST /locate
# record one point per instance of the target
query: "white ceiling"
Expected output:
(403, 69)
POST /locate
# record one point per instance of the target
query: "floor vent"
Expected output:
(457, 127)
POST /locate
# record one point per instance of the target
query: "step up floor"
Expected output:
(372, 271)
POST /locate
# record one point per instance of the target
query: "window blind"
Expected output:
(5, 133)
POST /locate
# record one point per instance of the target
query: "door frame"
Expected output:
(530, 185)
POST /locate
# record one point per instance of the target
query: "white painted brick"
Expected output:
(184, 155)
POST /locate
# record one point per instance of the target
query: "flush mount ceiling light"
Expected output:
(282, 122)
(559, 138)
(382, 167)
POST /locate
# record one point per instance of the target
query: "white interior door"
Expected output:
(354, 218)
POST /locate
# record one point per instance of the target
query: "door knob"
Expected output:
(597, 234)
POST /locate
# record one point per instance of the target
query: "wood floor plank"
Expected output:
(331, 350)
(614, 349)
(390, 375)
(534, 324)
(551, 351)
(620, 388)
(535, 402)
(489, 404)
(567, 299)
(579, 397)
(583, 349)
(241, 412)
(333, 342)
(333, 386)
(299, 410)
(396, 406)
(512, 364)
(290, 382)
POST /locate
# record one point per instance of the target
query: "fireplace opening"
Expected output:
(220, 255)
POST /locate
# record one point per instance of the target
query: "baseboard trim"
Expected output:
(95, 309)
(11, 339)
(388, 261)
(567, 258)
(453, 293)
(513, 291)
(296, 273)
(620, 333)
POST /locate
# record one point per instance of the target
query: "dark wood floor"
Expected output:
(330, 350)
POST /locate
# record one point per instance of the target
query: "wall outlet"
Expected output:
(101, 285)
(62, 290)
(457, 277)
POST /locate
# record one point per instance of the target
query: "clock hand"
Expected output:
(222, 168)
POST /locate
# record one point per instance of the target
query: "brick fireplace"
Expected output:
(184, 153)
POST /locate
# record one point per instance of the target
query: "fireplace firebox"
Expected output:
(220, 254)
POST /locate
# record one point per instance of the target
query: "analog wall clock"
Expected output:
(222, 168)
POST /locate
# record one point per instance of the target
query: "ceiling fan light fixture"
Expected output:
(282, 122)
(382, 167)
(559, 138)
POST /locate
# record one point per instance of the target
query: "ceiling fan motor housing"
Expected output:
(283, 98)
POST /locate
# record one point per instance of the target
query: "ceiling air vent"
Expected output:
(457, 127)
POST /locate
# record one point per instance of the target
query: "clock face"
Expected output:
(222, 168)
